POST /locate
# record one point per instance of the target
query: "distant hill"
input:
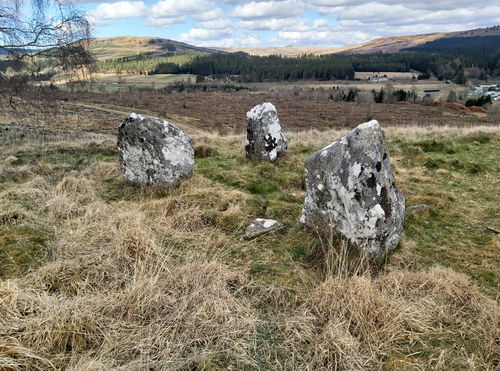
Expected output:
(458, 45)
(127, 46)
(380, 45)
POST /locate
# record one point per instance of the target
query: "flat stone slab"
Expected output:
(261, 226)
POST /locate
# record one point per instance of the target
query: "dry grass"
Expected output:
(120, 287)
(363, 322)
(159, 278)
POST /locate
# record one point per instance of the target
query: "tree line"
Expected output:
(246, 68)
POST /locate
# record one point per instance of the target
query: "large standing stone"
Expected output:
(153, 151)
(265, 141)
(351, 192)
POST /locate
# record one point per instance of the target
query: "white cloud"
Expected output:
(273, 24)
(168, 12)
(442, 4)
(320, 22)
(108, 13)
(218, 24)
(307, 22)
(333, 5)
(196, 34)
(92, 1)
(376, 12)
(394, 16)
(269, 9)
(176, 8)
(210, 15)
(326, 38)
(165, 21)
(245, 41)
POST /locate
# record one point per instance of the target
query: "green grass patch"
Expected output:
(75, 157)
(22, 248)
(461, 189)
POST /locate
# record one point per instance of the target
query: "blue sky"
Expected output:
(233, 23)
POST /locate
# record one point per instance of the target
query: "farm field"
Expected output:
(116, 82)
(390, 75)
(398, 80)
(98, 274)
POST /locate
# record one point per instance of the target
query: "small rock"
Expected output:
(265, 141)
(260, 226)
(351, 192)
(297, 195)
(153, 151)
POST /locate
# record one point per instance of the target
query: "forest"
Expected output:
(450, 64)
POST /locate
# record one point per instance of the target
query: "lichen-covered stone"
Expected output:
(153, 151)
(351, 192)
(261, 226)
(265, 141)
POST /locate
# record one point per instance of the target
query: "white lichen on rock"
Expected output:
(351, 192)
(265, 141)
(153, 151)
(260, 226)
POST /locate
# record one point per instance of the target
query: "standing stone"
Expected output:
(351, 192)
(265, 141)
(153, 151)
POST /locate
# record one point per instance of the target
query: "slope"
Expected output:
(126, 46)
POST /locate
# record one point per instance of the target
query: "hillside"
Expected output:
(392, 44)
(460, 45)
(125, 46)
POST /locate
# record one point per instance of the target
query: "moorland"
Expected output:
(97, 273)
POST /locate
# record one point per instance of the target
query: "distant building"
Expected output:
(378, 78)
(492, 90)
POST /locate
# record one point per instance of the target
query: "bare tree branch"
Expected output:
(30, 28)
(33, 32)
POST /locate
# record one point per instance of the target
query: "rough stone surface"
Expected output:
(260, 226)
(351, 192)
(265, 141)
(152, 151)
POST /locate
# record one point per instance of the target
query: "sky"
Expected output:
(255, 23)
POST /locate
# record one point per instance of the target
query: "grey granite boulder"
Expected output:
(265, 141)
(153, 151)
(351, 192)
(261, 226)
